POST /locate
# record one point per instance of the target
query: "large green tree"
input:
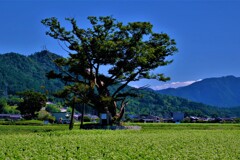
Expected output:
(130, 52)
(31, 104)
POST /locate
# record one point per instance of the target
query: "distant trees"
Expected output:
(5, 108)
(3, 104)
(44, 115)
(52, 108)
(32, 103)
(129, 51)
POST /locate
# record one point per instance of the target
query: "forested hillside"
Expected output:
(19, 73)
(157, 104)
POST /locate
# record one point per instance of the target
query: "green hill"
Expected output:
(19, 72)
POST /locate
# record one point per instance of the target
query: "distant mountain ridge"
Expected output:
(221, 92)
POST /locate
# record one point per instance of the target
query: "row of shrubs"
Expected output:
(21, 122)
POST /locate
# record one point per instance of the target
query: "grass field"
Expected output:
(154, 141)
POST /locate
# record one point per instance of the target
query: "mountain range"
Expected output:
(221, 92)
(19, 73)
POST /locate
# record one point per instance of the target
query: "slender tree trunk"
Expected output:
(83, 108)
(72, 114)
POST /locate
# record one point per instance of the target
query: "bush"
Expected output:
(51, 119)
(86, 119)
(52, 108)
(3, 104)
(186, 120)
(44, 115)
(10, 110)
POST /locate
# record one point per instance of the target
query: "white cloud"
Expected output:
(173, 85)
(135, 86)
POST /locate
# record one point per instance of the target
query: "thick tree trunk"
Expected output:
(112, 112)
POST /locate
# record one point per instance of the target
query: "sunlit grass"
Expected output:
(154, 141)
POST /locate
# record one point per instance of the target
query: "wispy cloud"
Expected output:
(173, 85)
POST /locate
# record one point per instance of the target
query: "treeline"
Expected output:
(148, 102)
(152, 103)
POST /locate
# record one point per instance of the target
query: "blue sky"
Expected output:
(207, 32)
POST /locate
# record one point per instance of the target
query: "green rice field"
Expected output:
(152, 142)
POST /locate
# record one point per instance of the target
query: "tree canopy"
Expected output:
(130, 52)
(32, 103)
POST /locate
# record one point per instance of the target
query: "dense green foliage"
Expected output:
(3, 104)
(19, 73)
(162, 105)
(52, 108)
(44, 115)
(5, 108)
(32, 103)
(221, 92)
(152, 142)
(131, 51)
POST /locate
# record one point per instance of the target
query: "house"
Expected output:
(225, 120)
(10, 116)
(61, 117)
(142, 118)
(149, 118)
(193, 119)
(168, 120)
(178, 116)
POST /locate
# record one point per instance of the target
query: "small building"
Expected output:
(10, 116)
(194, 119)
(61, 117)
(105, 119)
(224, 120)
(149, 119)
(178, 116)
(168, 120)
